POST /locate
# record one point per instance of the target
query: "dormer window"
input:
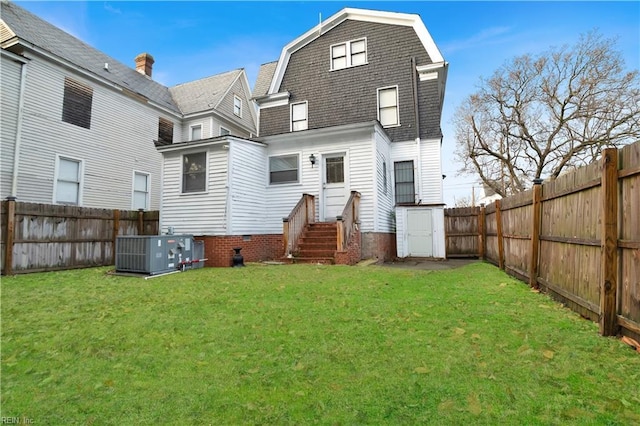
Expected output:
(349, 54)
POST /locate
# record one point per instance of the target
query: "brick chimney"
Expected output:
(144, 64)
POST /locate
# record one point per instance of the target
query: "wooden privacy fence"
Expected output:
(576, 237)
(45, 237)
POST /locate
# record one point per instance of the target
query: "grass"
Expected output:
(306, 344)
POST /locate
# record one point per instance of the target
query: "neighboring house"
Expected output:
(487, 195)
(78, 127)
(354, 104)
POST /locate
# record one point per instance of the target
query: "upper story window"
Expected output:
(349, 54)
(140, 198)
(165, 131)
(299, 117)
(76, 105)
(195, 132)
(68, 187)
(237, 105)
(388, 106)
(194, 172)
(284, 169)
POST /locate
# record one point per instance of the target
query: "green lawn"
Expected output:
(304, 344)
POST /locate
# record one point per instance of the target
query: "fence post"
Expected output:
(8, 242)
(609, 243)
(535, 233)
(500, 241)
(481, 232)
(140, 221)
(116, 231)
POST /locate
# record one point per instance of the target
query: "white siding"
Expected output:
(431, 172)
(383, 221)
(360, 151)
(120, 140)
(201, 213)
(429, 190)
(9, 95)
(248, 162)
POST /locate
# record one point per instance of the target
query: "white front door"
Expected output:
(334, 193)
(419, 233)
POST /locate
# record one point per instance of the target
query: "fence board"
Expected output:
(53, 237)
(570, 263)
(462, 232)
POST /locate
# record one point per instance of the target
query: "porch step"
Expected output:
(317, 244)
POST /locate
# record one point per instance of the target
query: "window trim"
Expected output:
(80, 180)
(306, 116)
(237, 98)
(193, 126)
(348, 55)
(206, 173)
(397, 106)
(395, 183)
(299, 169)
(133, 189)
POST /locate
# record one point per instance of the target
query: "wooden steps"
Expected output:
(318, 244)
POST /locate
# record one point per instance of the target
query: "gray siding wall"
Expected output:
(349, 95)
(119, 141)
(226, 107)
(10, 80)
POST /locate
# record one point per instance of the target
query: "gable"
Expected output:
(390, 18)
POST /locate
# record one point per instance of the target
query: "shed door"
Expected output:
(419, 233)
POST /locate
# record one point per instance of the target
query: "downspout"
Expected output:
(414, 84)
(18, 139)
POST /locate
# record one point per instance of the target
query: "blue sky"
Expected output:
(192, 40)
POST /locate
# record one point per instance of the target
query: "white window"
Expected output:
(68, 189)
(237, 106)
(140, 191)
(388, 106)
(195, 132)
(224, 132)
(194, 172)
(349, 54)
(299, 116)
(284, 169)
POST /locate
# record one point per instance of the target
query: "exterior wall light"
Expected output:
(312, 159)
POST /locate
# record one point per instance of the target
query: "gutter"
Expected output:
(416, 108)
(18, 138)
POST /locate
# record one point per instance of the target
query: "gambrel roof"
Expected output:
(20, 27)
(392, 18)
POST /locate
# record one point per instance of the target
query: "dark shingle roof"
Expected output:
(203, 94)
(29, 28)
(265, 75)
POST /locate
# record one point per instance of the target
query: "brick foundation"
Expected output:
(255, 248)
(353, 254)
(378, 245)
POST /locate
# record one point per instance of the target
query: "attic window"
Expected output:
(349, 54)
(165, 132)
(76, 105)
(237, 106)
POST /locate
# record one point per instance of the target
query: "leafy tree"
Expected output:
(538, 116)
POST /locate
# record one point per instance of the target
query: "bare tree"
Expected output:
(539, 116)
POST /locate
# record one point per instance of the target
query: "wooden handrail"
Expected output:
(348, 221)
(293, 225)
